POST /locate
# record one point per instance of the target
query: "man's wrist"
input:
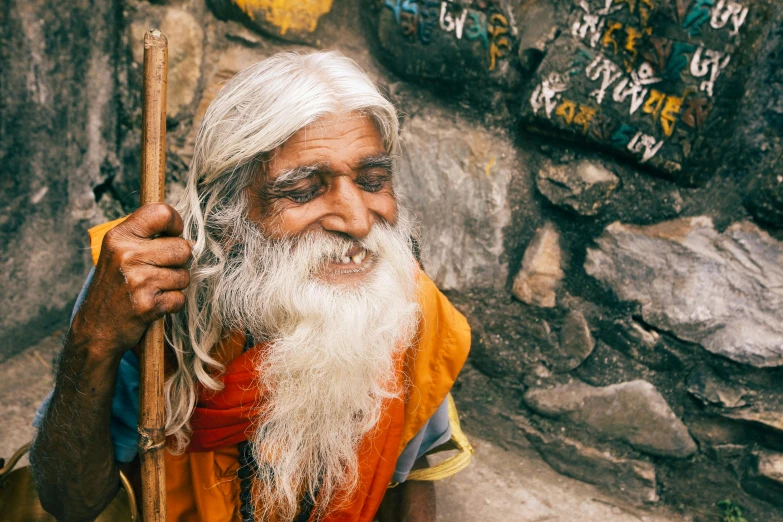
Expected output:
(90, 358)
(92, 346)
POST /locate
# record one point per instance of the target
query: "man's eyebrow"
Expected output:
(290, 177)
(379, 161)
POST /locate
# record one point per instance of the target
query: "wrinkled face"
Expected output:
(331, 177)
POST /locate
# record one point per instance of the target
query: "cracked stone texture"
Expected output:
(721, 290)
(583, 186)
(709, 389)
(634, 412)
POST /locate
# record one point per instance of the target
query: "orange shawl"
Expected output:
(202, 484)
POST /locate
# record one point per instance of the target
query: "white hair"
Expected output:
(257, 111)
(330, 356)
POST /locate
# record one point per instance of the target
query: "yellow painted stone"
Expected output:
(294, 15)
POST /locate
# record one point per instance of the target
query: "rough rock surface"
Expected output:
(631, 479)
(541, 273)
(186, 49)
(764, 475)
(583, 186)
(765, 197)
(455, 179)
(632, 411)
(709, 389)
(58, 141)
(766, 415)
(723, 291)
(576, 342)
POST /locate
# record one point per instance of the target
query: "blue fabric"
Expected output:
(437, 431)
(125, 414)
(125, 403)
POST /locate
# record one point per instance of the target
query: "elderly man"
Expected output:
(309, 358)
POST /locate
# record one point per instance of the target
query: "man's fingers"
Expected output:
(173, 279)
(155, 219)
(169, 302)
(168, 252)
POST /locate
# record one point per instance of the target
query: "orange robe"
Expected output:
(203, 485)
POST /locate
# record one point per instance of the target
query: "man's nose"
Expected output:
(348, 213)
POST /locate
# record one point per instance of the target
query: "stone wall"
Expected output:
(597, 184)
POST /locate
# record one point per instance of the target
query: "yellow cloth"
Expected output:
(96, 237)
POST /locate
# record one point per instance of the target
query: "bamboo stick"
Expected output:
(152, 433)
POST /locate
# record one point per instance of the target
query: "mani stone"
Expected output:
(764, 476)
(576, 342)
(290, 20)
(449, 41)
(541, 273)
(634, 412)
(721, 290)
(583, 187)
(186, 48)
(631, 479)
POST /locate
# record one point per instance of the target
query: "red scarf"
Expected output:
(224, 418)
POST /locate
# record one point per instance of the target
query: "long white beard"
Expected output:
(331, 356)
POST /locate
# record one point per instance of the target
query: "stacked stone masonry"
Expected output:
(597, 184)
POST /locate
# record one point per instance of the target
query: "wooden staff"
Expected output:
(152, 431)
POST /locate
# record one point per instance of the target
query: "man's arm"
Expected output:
(139, 277)
(410, 501)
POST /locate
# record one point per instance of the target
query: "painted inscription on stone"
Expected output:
(483, 24)
(641, 77)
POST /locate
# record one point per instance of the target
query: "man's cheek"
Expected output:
(285, 219)
(384, 204)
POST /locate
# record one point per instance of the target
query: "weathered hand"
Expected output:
(139, 278)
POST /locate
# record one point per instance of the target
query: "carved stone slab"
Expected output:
(447, 40)
(290, 20)
(657, 81)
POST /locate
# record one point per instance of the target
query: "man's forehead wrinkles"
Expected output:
(324, 133)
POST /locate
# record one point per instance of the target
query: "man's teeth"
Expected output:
(357, 258)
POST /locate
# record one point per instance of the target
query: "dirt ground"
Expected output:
(499, 485)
